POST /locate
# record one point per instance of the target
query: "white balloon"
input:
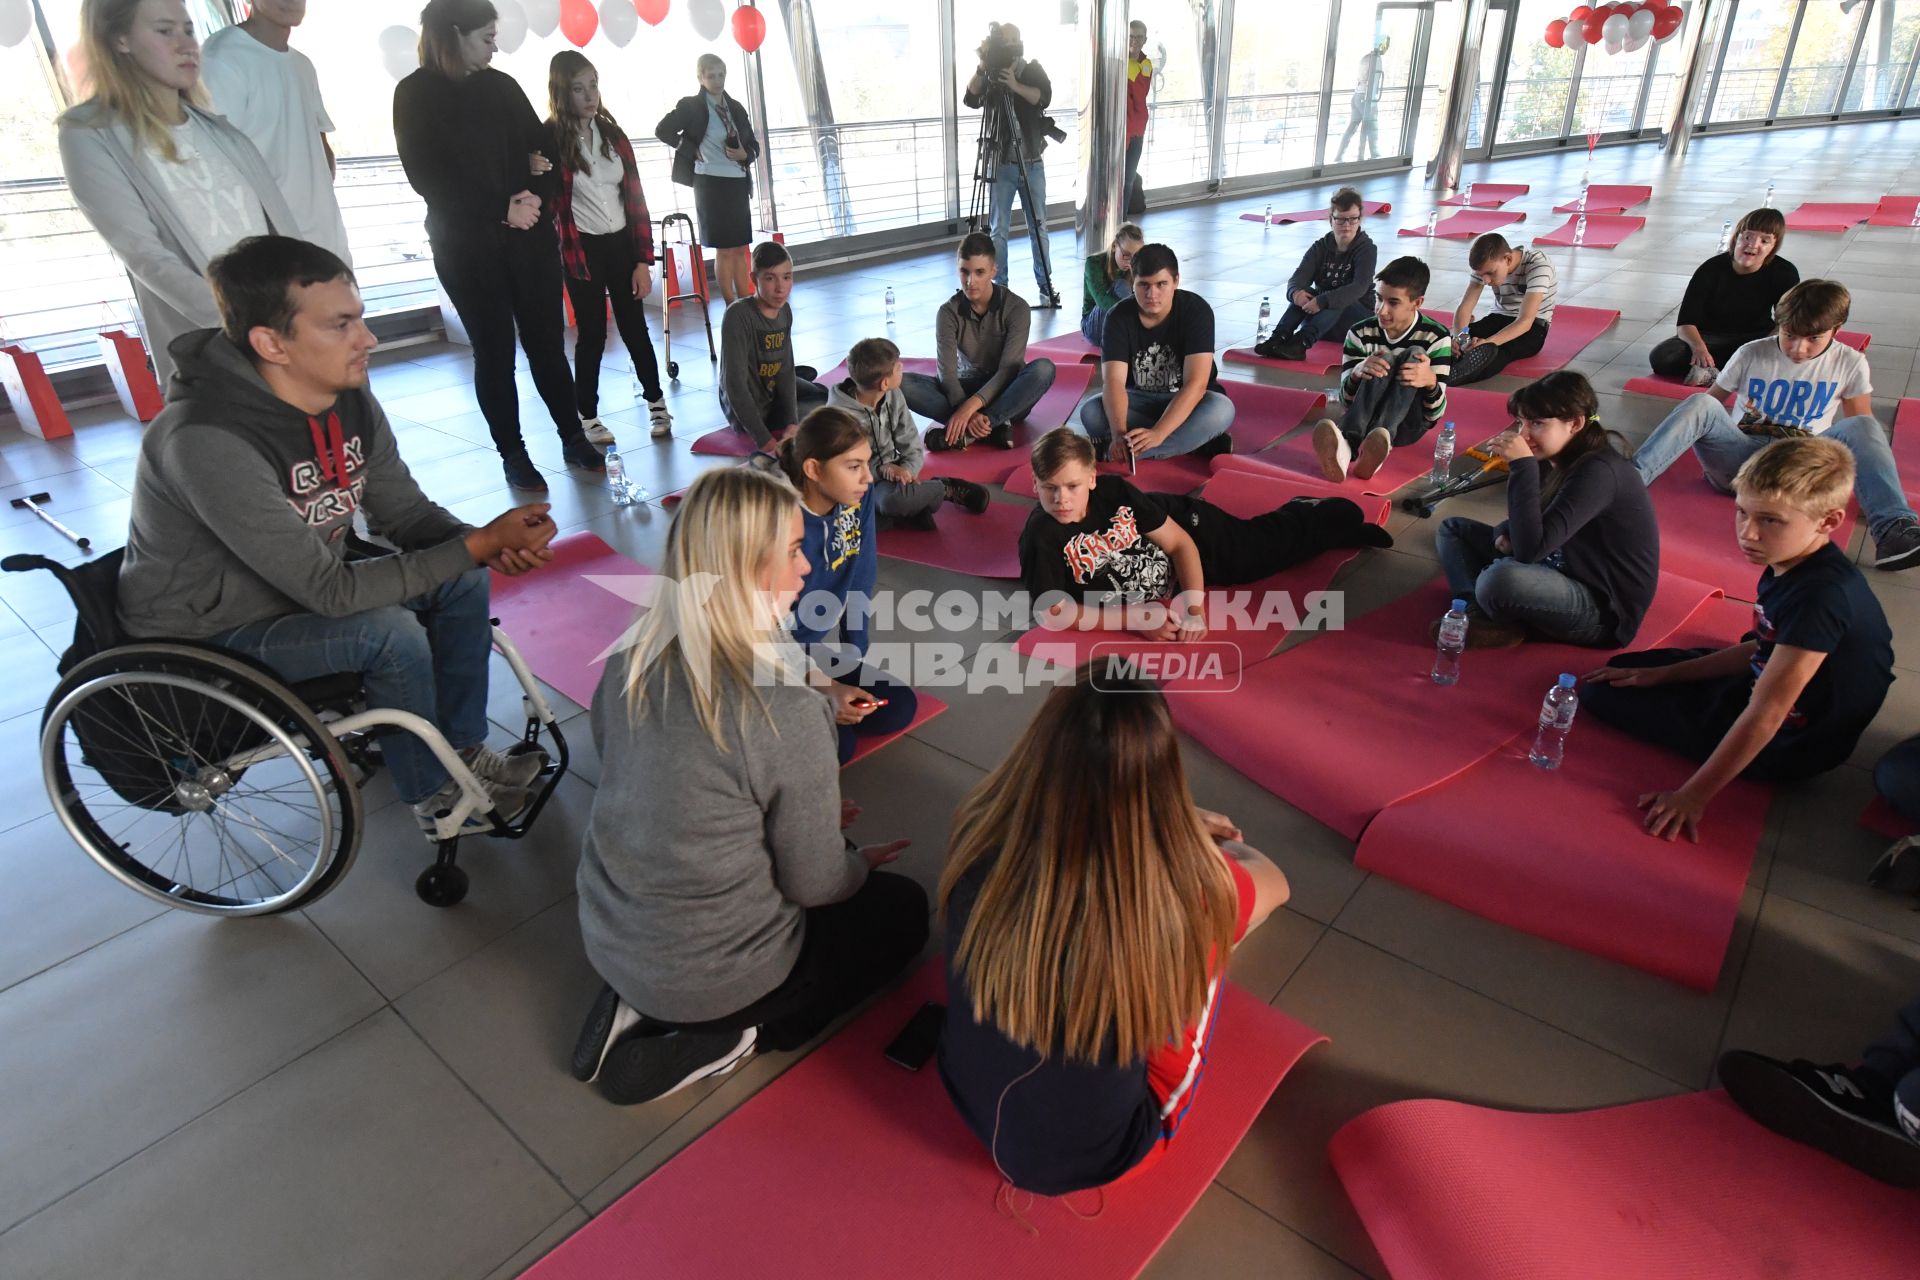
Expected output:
(1615, 46)
(1615, 31)
(16, 21)
(1640, 25)
(708, 18)
(618, 21)
(400, 51)
(1637, 43)
(542, 16)
(511, 32)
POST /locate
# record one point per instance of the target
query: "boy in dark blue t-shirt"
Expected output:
(1792, 698)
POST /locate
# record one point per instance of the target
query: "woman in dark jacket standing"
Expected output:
(712, 138)
(472, 146)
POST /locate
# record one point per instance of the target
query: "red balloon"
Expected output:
(1596, 27)
(578, 22)
(749, 28)
(652, 12)
(1666, 22)
(1578, 15)
(1557, 34)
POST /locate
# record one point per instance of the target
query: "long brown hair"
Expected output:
(442, 23)
(1568, 396)
(1107, 908)
(567, 64)
(128, 95)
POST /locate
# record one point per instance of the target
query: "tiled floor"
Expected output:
(374, 1088)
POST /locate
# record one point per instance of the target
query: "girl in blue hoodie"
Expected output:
(829, 460)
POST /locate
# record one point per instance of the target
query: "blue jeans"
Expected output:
(1307, 329)
(1015, 401)
(1006, 185)
(1213, 416)
(842, 662)
(428, 655)
(1706, 426)
(1509, 591)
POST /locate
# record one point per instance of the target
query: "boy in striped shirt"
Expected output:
(1393, 377)
(1524, 286)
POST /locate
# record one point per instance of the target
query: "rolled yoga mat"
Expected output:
(847, 1166)
(1365, 726)
(1572, 863)
(1680, 1188)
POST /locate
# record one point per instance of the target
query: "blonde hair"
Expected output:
(731, 523)
(1809, 472)
(705, 60)
(115, 82)
(1106, 909)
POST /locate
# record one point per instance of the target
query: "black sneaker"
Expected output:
(1222, 443)
(579, 453)
(653, 1063)
(1277, 349)
(1836, 1109)
(937, 440)
(965, 494)
(1001, 437)
(522, 474)
(1898, 547)
(608, 1021)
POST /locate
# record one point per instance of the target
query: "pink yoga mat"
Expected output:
(1240, 489)
(847, 1166)
(1906, 447)
(725, 442)
(987, 545)
(1572, 329)
(1369, 207)
(1604, 198)
(1071, 347)
(563, 616)
(1488, 195)
(1652, 384)
(1365, 726)
(1679, 1188)
(1883, 819)
(1604, 231)
(1829, 217)
(927, 708)
(1696, 531)
(1322, 357)
(1476, 416)
(1156, 475)
(1262, 413)
(1894, 211)
(1070, 384)
(1572, 863)
(1467, 224)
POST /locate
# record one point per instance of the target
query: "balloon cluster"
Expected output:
(1617, 27)
(578, 20)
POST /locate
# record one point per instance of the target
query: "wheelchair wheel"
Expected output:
(196, 779)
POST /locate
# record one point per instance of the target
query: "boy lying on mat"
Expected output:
(1096, 538)
(1793, 698)
(1078, 1020)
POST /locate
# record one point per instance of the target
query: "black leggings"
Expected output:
(850, 950)
(1673, 358)
(1235, 551)
(499, 284)
(610, 266)
(1490, 358)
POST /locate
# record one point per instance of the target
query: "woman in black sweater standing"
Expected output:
(713, 146)
(472, 147)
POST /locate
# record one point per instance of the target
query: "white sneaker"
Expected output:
(1701, 376)
(1374, 449)
(1332, 449)
(662, 420)
(597, 431)
(517, 770)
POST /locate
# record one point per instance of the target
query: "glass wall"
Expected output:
(1179, 102)
(1539, 78)
(1373, 93)
(1822, 51)
(1755, 49)
(1279, 58)
(1892, 29)
(1609, 93)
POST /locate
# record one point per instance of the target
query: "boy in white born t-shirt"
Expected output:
(1800, 382)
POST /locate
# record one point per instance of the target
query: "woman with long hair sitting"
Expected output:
(1089, 909)
(718, 899)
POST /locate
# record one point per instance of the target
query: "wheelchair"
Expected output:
(197, 777)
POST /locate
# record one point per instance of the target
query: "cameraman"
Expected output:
(1023, 86)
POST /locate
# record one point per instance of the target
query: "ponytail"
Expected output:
(822, 436)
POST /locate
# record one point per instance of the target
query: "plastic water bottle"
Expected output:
(1469, 193)
(1267, 219)
(1766, 201)
(1726, 234)
(1580, 230)
(1452, 642)
(1266, 319)
(1433, 223)
(1443, 453)
(617, 483)
(1915, 221)
(890, 305)
(1556, 718)
(1583, 196)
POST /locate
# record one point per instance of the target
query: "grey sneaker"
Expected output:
(1898, 547)
(597, 431)
(661, 419)
(516, 770)
(508, 802)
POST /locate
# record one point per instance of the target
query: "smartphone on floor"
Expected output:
(919, 1038)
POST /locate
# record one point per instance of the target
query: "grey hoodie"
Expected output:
(890, 426)
(242, 503)
(993, 346)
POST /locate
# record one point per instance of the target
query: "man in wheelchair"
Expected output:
(244, 497)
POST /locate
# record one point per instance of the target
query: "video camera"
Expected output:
(997, 53)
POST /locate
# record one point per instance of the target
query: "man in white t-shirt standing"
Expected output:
(1798, 382)
(271, 93)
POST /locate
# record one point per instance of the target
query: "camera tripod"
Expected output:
(1000, 133)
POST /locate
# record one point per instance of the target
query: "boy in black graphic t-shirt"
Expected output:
(1097, 539)
(1158, 378)
(1794, 697)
